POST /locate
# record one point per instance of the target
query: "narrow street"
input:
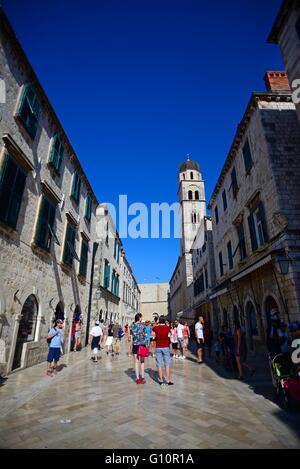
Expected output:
(106, 409)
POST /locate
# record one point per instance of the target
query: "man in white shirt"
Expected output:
(94, 340)
(199, 335)
(180, 338)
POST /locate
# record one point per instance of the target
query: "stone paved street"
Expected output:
(108, 410)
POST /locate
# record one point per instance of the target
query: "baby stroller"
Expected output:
(284, 378)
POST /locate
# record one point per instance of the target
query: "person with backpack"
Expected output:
(116, 339)
(94, 340)
(55, 340)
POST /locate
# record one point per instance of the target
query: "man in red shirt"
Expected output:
(162, 353)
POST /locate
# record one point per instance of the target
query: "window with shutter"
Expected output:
(83, 258)
(242, 244)
(12, 185)
(56, 154)
(68, 253)
(29, 110)
(230, 257)
(217, 215)
(252, 231)
(88, 208)
(76, 186)
(221, 264)
(106, 281)
(247, 157)
(45, 224)
(234, 183)
(224, 197)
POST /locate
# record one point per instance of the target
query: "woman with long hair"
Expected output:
(240, 349)
(139, 338)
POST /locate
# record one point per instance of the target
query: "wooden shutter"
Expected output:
(56, 155)
(252, 231)
(230, 257)
(76, 187)
(242, 245)
(262, 216)
(234, 182)
(29, 110)
(46, 218)
(88, 208)
(70, 237)
(83, 258)
(12, 185)
(247, 156)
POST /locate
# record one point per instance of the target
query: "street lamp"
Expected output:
(282, 264)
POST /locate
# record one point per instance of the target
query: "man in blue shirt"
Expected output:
(55, 337)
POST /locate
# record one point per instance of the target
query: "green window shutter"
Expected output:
(224, 200)
(108, 276)
(242, 244)
(262, 218)
(76, 186)
(88, 208)
(221, 264)
(230, 257)
(56, 155)
(29, 110)
(234, 184)
(113, 282)
(70, 237)
(46, 218)
(83, 258)
(252, 231)
(247, 156)
(12, 185)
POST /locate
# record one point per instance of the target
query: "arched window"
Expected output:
(190, 195)
(197, 195)
(192, 175)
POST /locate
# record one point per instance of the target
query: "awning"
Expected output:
(252, 268)
(221, 292)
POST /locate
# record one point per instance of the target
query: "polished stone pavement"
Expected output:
(107, 409)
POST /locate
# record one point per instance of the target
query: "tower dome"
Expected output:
(189, 164)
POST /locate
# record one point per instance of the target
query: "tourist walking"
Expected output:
(77, 345)
(104, 327)
(148, 332)
(199, 336)
(162, 352)
(174, 340)
(94, 340)
(55, 338)
(116, 339)
(186, 335)
(138, 333)
(152, 340)
(240, 349)
(180, 341)
(109, 340)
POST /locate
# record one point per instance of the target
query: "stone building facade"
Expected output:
(256, 216)
(154, 300)
(116, 294)
(286, 33)
(47, 216)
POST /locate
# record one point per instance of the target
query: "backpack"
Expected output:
(48, 340)
(120, 333)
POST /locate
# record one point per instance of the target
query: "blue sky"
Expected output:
(137, 84)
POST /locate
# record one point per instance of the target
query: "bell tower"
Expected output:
(191, 196)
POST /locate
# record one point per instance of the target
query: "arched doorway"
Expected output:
(27, 328)
(59, 311)
(271, 309)
(251, 324)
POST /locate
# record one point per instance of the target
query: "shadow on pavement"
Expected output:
(152, 374)
(130, 373)
(61, 367)
(260, 383)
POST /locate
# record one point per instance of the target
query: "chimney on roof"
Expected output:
(277, 81)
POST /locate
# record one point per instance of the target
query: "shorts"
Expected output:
(201, 345)
(135, 349)
(181, 342)
(53, 354)
(77, 335)
(174, 345)
(109, 341)
(162, 356)
(95, 343)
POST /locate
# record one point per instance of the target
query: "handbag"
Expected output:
(143, 351)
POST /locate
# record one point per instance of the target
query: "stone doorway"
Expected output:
(27, 329)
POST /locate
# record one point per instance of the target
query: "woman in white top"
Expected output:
(199, 335)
